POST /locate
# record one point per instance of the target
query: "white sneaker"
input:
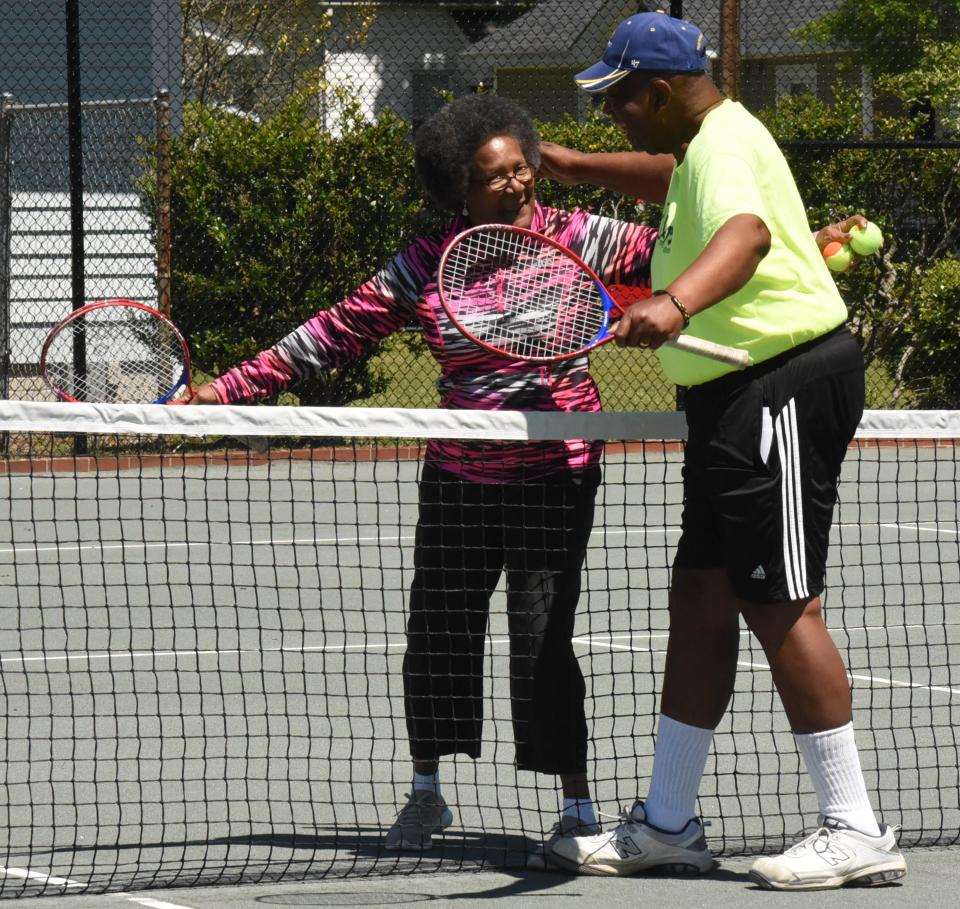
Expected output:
(833, 856)
(424, 814)
(568, 826)
(634, 846)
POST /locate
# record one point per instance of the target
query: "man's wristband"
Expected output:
(678, 303)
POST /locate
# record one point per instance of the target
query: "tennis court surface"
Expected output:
(202, 633)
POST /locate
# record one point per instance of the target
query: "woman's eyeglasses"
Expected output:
(499, 182)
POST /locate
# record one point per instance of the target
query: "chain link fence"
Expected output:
(244, 164)
(121, 248)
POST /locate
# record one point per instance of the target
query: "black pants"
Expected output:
(467, 535)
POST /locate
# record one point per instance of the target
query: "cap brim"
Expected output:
(599, 77)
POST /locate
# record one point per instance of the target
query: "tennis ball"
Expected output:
(837, 255)
(866, 241)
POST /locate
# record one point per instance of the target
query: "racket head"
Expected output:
(115, 351)
(523, 295)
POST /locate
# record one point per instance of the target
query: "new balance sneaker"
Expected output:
(567, 827)
(634, 846)
(424, 814)
(833, 856)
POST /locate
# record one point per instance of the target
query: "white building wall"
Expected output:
(379, 70)
(120, 261)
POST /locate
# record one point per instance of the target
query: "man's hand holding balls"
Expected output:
(839, 242)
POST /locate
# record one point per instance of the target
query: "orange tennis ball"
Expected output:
(837, 255)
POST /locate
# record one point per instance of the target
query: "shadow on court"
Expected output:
(523, 884)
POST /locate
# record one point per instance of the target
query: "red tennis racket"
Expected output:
(116, 352)
(524, 295)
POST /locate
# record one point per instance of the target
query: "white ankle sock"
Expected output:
(678, 764)
(833, 763)
(580, 808)
(429, 781)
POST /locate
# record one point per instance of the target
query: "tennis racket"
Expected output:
(524, 295)
(116, 352)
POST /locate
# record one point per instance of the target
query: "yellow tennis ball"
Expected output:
(837, 256)
(867, 240)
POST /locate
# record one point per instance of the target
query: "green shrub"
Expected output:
(275, 221)
(595, 133)
(926, 355)
(912, 194)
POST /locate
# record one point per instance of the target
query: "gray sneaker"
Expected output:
(633, 846)
(424, 814)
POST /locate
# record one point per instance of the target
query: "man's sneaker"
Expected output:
(567, 827)
(424, 814)
(833, 856)
(634, 846)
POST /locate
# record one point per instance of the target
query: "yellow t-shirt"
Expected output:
(733, 167)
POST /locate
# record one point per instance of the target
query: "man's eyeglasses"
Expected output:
(499, 182)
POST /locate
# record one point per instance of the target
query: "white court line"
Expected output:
(588, 641)
(598, 533)
(895, 683)
(606, 642)
(196, 654)
(188, 544)
(749, 664)
(744, 633)
(39, 876)
(925, 528)
(151, 903)
(928, 527)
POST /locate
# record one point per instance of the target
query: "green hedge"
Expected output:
(275, 221)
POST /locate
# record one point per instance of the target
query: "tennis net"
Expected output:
(203, 631)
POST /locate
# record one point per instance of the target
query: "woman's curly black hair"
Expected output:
(445, 143)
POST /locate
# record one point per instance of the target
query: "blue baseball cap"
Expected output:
(647, 41)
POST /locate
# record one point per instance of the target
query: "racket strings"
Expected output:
(521, 295)
(115, 355)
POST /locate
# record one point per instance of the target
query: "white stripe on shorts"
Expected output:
(791, 500)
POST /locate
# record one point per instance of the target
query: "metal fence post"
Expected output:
(75, 146)
(164, 237)
(730, 48)
(6, 203)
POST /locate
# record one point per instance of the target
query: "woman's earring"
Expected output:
(465, 213)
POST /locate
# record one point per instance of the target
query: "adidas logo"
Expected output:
(758, 574)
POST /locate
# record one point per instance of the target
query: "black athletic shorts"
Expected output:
(762, 463)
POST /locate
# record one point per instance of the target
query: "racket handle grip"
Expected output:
(732, 356)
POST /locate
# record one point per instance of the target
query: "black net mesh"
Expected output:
(205, 638)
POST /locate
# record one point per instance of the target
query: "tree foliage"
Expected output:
(905, 303)
(250, 55)
(886, 36)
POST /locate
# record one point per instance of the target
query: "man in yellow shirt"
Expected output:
(737, 264)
